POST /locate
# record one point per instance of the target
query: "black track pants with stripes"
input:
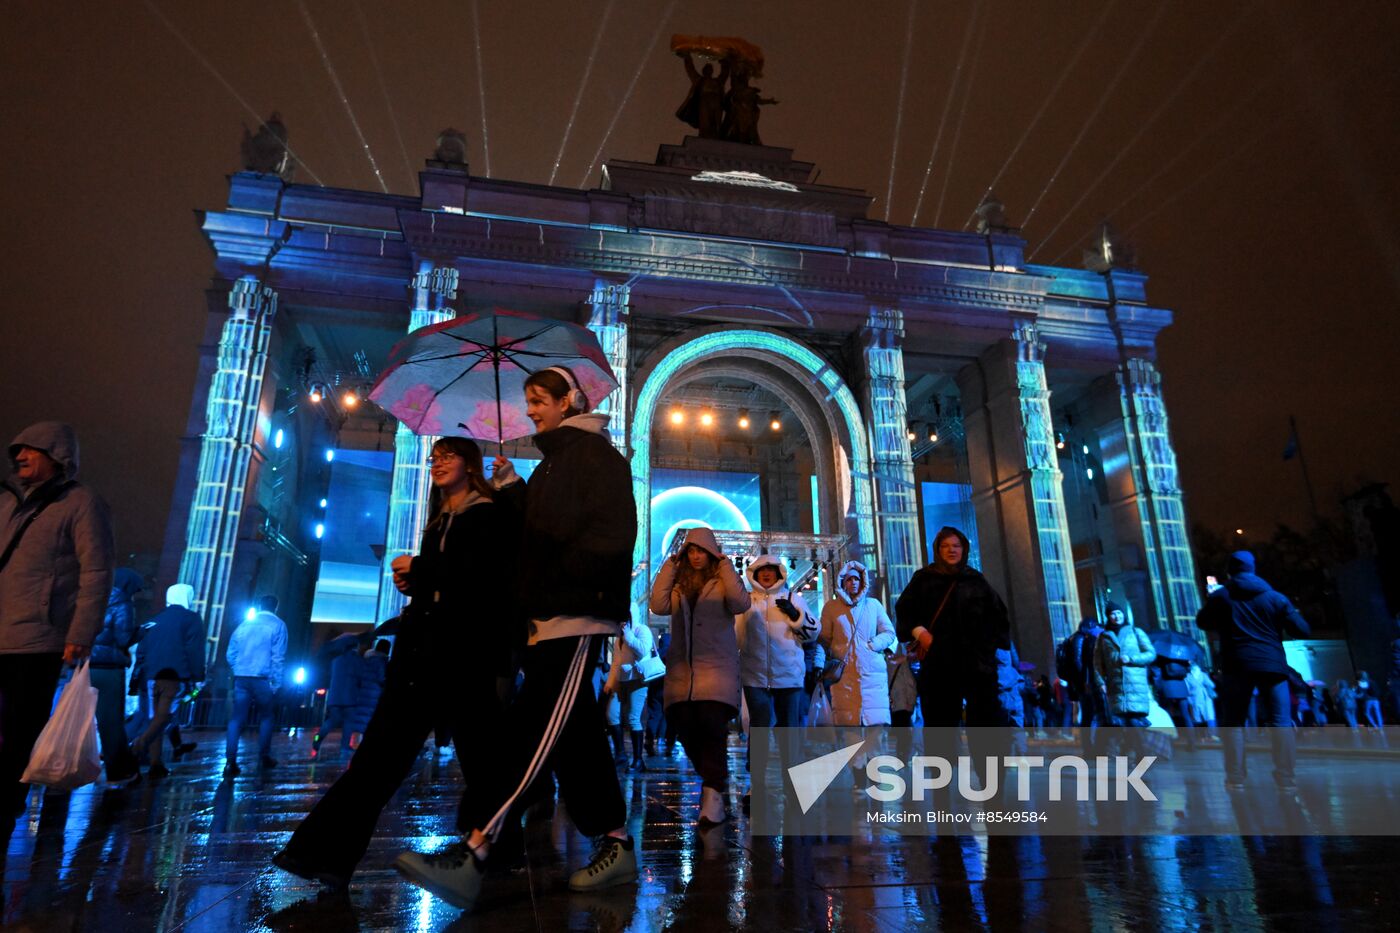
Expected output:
(555, 724)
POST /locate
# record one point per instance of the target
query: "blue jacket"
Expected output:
(174, 642)
(345, 673)
(258, 647)
(369, 686)
(1250, 617)
(119, 629)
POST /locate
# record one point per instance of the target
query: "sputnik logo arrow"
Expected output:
(811, 778)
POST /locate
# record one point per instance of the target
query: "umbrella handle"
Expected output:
(496, 365)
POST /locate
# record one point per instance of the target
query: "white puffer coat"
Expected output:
(635, 642)
(770, 644)
(859, 630)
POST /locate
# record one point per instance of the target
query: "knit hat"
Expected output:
(1241, 562)
(1111, 607)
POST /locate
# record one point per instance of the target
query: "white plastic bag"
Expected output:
(1161, 720)
(819, 713)
(65, 756)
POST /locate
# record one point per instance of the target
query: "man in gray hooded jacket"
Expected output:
(56, 566)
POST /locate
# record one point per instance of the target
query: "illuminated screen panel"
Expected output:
(943, 505)
(690, 498)
(354, 522)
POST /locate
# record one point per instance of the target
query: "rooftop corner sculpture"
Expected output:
(266, 152)
(718, 113)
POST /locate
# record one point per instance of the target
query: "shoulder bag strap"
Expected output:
(941, 606)
(29, 520)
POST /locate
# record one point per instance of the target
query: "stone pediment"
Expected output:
(731, 189)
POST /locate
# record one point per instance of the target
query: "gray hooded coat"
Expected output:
(54, 589)
(703, 661)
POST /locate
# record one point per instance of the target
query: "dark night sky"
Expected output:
(1243, 147)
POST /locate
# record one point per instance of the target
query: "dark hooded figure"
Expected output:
(1250, 619)
(110, 659)
(955, 623)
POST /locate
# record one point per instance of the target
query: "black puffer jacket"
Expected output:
(460, 616)
(972, 626)
(580, 525)
(119, 628)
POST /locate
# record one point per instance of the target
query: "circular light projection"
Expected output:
(677, 416)
(691, 507)
(707, 419)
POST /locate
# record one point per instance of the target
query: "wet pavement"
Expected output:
(190, 853)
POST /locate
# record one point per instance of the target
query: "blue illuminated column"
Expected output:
(433, 287)
(226, 450)
(1017, 491)
(886, 411)
(1157, 572)
(608, 322)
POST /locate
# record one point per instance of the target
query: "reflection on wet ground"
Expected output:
(190, 853)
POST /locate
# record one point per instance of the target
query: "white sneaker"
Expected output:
(453, 875)
(711, 808)
(614, 862)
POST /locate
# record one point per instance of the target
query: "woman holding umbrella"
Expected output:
(574, 584)
(454, 637)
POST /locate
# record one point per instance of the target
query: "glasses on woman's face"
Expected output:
(444, 457)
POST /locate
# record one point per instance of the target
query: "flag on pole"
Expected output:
(1290, 450)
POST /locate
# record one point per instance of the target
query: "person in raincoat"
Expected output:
(773, 634)
(700, 590)
(856, 631)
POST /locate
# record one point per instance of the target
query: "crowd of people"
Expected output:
(523, 643)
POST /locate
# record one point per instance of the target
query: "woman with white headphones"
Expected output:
(575, 582)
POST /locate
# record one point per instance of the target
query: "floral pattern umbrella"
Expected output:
(468, 374)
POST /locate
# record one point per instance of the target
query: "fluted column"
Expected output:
(226, 450)
(892, 466)
(433, 287)
(1158, 573)
(608, 322)
(1018, 493)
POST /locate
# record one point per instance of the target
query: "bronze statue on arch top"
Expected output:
(713, 111)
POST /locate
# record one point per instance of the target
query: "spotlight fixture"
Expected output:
(1059, 440)
(677, 416)
(1239, 531)
(911, 436)
(707, 418)
(350, 399)
(744, 419)
(315, 395)
(775, 421)
(932, 436)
